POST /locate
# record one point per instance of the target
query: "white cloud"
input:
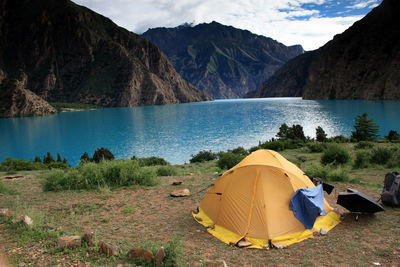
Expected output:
(359, 4)
(264, 17)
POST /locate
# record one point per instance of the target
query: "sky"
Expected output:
(310, 23)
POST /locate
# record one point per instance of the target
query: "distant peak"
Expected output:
(187, 25)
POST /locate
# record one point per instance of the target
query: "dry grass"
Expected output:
(126, 217)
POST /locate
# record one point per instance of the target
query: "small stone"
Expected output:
(216, 263)
(198, 218)
(140, 254)
(5, 213)
(88, 238)
(181, 193)
(176, 183)
(323, 231)
(108, 249)
(279, 245)
(266, 246)
(244, 243)
(69, 241)
(26, 221)
(120, 265)
(160, 256)
(212, 227)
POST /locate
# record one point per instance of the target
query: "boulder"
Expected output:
(216, 263)
(160, 256)
(140, 254)
(244, 243)
(88, 238)
(181, 193)
(69, 241)
(26, 221)
(5, 213)
(108, 249)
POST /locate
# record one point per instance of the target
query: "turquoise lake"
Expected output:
(174, 132)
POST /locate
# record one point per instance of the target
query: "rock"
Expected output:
(69, 241)
(244, 243)
(323, 231)
(198, 218)
(140, 254)
(181, 193)
(5, 213)
(88, 238)
(216, 263)
(108, 249)
(26, 221)
(160, 256)
(279, 245)
(176, 183)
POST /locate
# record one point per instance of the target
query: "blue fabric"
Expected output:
(307, 204)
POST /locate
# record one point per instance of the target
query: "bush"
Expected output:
(167, 171)
(315, 147)
(105, 174)
(203, 156)
(227, 160)
(335, 154)
(102, 154)
(364, 145)
(329, 173)
(294, 133)
(339, 139)
(10, 164)
(175, 255)
(393, 136)
(58, 165)
(274, 145)
(381, 155)
(320, 134)
(239, 150)
(151, 161)
(394, 160)
(362, 160)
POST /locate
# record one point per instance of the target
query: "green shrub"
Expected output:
(274, 145)
(10, 164)
(320, 134)
(394, 160)
(381, 155)
(316, 147)
(151, 161)
(364, 145)
(105, 174)
(239, 150)
(295, 132)
(175, 255)
(339, 139)
(329, 173)
(102, 154)
(393, 136)
(254, 148)
(203, 156)
(167, 171)
(58, 165)
(335, 154)
(362, 160)
(227, 160)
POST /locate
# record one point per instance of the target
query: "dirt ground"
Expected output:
(128, 217)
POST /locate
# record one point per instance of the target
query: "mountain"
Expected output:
(361, 63)
(58, 51)
(221, 60)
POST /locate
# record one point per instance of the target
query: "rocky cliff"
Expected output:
(69, 53)
(361, 63)
(221, 60)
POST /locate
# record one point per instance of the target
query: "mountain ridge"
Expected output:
(221, 60)
(69, 53)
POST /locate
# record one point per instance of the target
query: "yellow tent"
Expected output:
(251, 202)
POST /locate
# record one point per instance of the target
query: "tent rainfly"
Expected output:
(251, 202)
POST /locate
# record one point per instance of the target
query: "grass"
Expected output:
(61, 106)
(141, 216)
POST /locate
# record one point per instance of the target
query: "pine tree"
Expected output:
(59, 159)
(102, 154)
(283, 131)
(320, 134)
(85, 158)
(365, 129)
(38, 159)
(48, 158)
